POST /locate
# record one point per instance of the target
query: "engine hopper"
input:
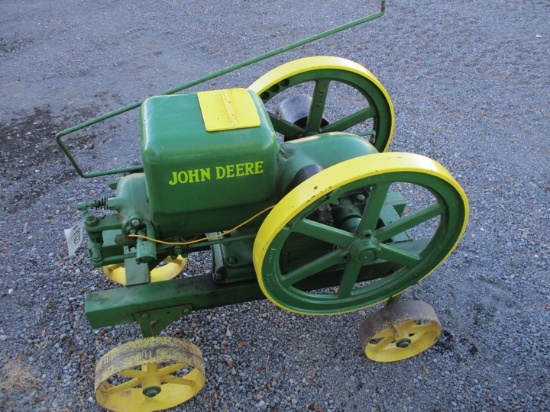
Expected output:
(209, 160)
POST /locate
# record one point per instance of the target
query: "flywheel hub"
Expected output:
(364, 250)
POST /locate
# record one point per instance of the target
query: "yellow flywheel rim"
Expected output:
(269, 84)
(320, 186)
(149, 374)
(117, 272)
(399, 331)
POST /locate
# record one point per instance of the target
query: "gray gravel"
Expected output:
(470, 81)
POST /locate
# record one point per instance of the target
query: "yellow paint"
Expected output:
(422, 337)
(217, 173)
(330, 179)
(307, 64)
(117, 272)
(228, 109)
(190, 176)
(382, 334)
(239, 169)
(159, 358)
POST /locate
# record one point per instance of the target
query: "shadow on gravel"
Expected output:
(31, 163)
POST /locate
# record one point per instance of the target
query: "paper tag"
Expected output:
(74, 237)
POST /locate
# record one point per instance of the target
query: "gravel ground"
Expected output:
(470, 84)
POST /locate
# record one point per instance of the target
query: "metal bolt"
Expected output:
(369, 254)
(90, 220)
(134, 222)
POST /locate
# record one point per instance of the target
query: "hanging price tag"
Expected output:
(74, 237)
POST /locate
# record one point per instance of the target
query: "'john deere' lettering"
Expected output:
(239, 169)
(190, 176)
(221, 172)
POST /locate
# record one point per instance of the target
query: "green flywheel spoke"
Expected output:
(395, 255)
(284, 127)
(351, 120)
(317, 105)
(312, 268)
(410, 221)
(349, 278)
(374, 205)
(320, 231)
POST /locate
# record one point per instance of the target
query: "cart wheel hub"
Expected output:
(151, 391)
(403, 343)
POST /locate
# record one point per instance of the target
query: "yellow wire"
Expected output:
(190, 242)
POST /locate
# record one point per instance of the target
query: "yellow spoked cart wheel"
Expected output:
(149, 374)
(328, 81)
(117, 272)
(399, 331)
(336, 243)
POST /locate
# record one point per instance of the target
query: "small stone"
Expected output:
(3, 337)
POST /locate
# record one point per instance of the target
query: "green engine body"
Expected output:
(211, 162)
(192, 175)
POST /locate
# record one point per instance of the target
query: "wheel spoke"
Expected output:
(410, 221)
(349, 278)
(284, 127)
(373, 207)
(312, 268)
(167, 370)
(317, 106)
(133, 373)
(395, 255)
(349, 121)
(322, 232)
(178, 381)
(124, 386)
(380, 346)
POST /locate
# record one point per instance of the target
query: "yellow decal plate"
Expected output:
(228, 109)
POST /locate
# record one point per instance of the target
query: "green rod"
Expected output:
(195, 82)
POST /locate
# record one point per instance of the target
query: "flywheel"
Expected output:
(359, 232)
(333, 83)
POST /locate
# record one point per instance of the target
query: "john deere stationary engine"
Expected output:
(289, 186)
